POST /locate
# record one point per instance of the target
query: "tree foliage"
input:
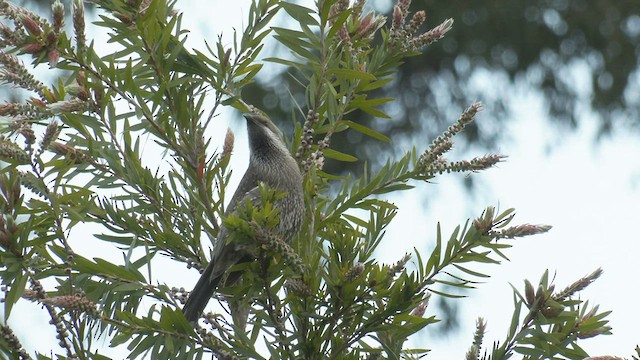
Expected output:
(580, 57)
(75, 154)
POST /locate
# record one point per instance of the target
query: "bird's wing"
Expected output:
(224, 257)
(225, 254)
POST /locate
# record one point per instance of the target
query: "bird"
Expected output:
(270, 163)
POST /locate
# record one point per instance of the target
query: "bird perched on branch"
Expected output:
(270, 163)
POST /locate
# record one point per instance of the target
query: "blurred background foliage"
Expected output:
(514, 44)
(533, 45)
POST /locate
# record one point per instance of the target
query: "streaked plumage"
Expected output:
(271, 163)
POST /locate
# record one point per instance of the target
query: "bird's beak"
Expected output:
(250, 117)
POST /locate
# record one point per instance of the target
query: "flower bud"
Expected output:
(58, 15)
(32, 48)
(529, 292)
(31, 25)
(354, 273)
(67, 106)
(227, 146)
(53, 57)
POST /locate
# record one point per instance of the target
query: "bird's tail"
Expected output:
(209, 281)
(200, 295)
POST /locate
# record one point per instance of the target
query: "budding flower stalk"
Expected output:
(399, 265)
(421, 308)
(76, 302)
(79, 25)
(307, 134)
(402, 36)
(13, 153)
(432, 35)
(66, 106)
(521, 231)
(76, 156)
(298, 287)
(13, 342)
(578, 285)
(50, 134)
(57, 9)
(227, 147)
(13, 71)
(354, 272)
(31, 25)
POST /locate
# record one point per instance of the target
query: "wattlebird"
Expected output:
(270, 163)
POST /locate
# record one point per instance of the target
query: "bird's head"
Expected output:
(264, 137)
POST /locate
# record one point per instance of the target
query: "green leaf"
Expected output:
(351, 74)
(453, 296)
(393, 188)
(338, 22)
(368, 86)
(337, 155)
(300, 13)
(15, 291)
(470, 272)
(101, 266)
(366, 131)
(286, 62)
(296, 41)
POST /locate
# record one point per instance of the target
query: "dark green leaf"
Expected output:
(337, 155)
